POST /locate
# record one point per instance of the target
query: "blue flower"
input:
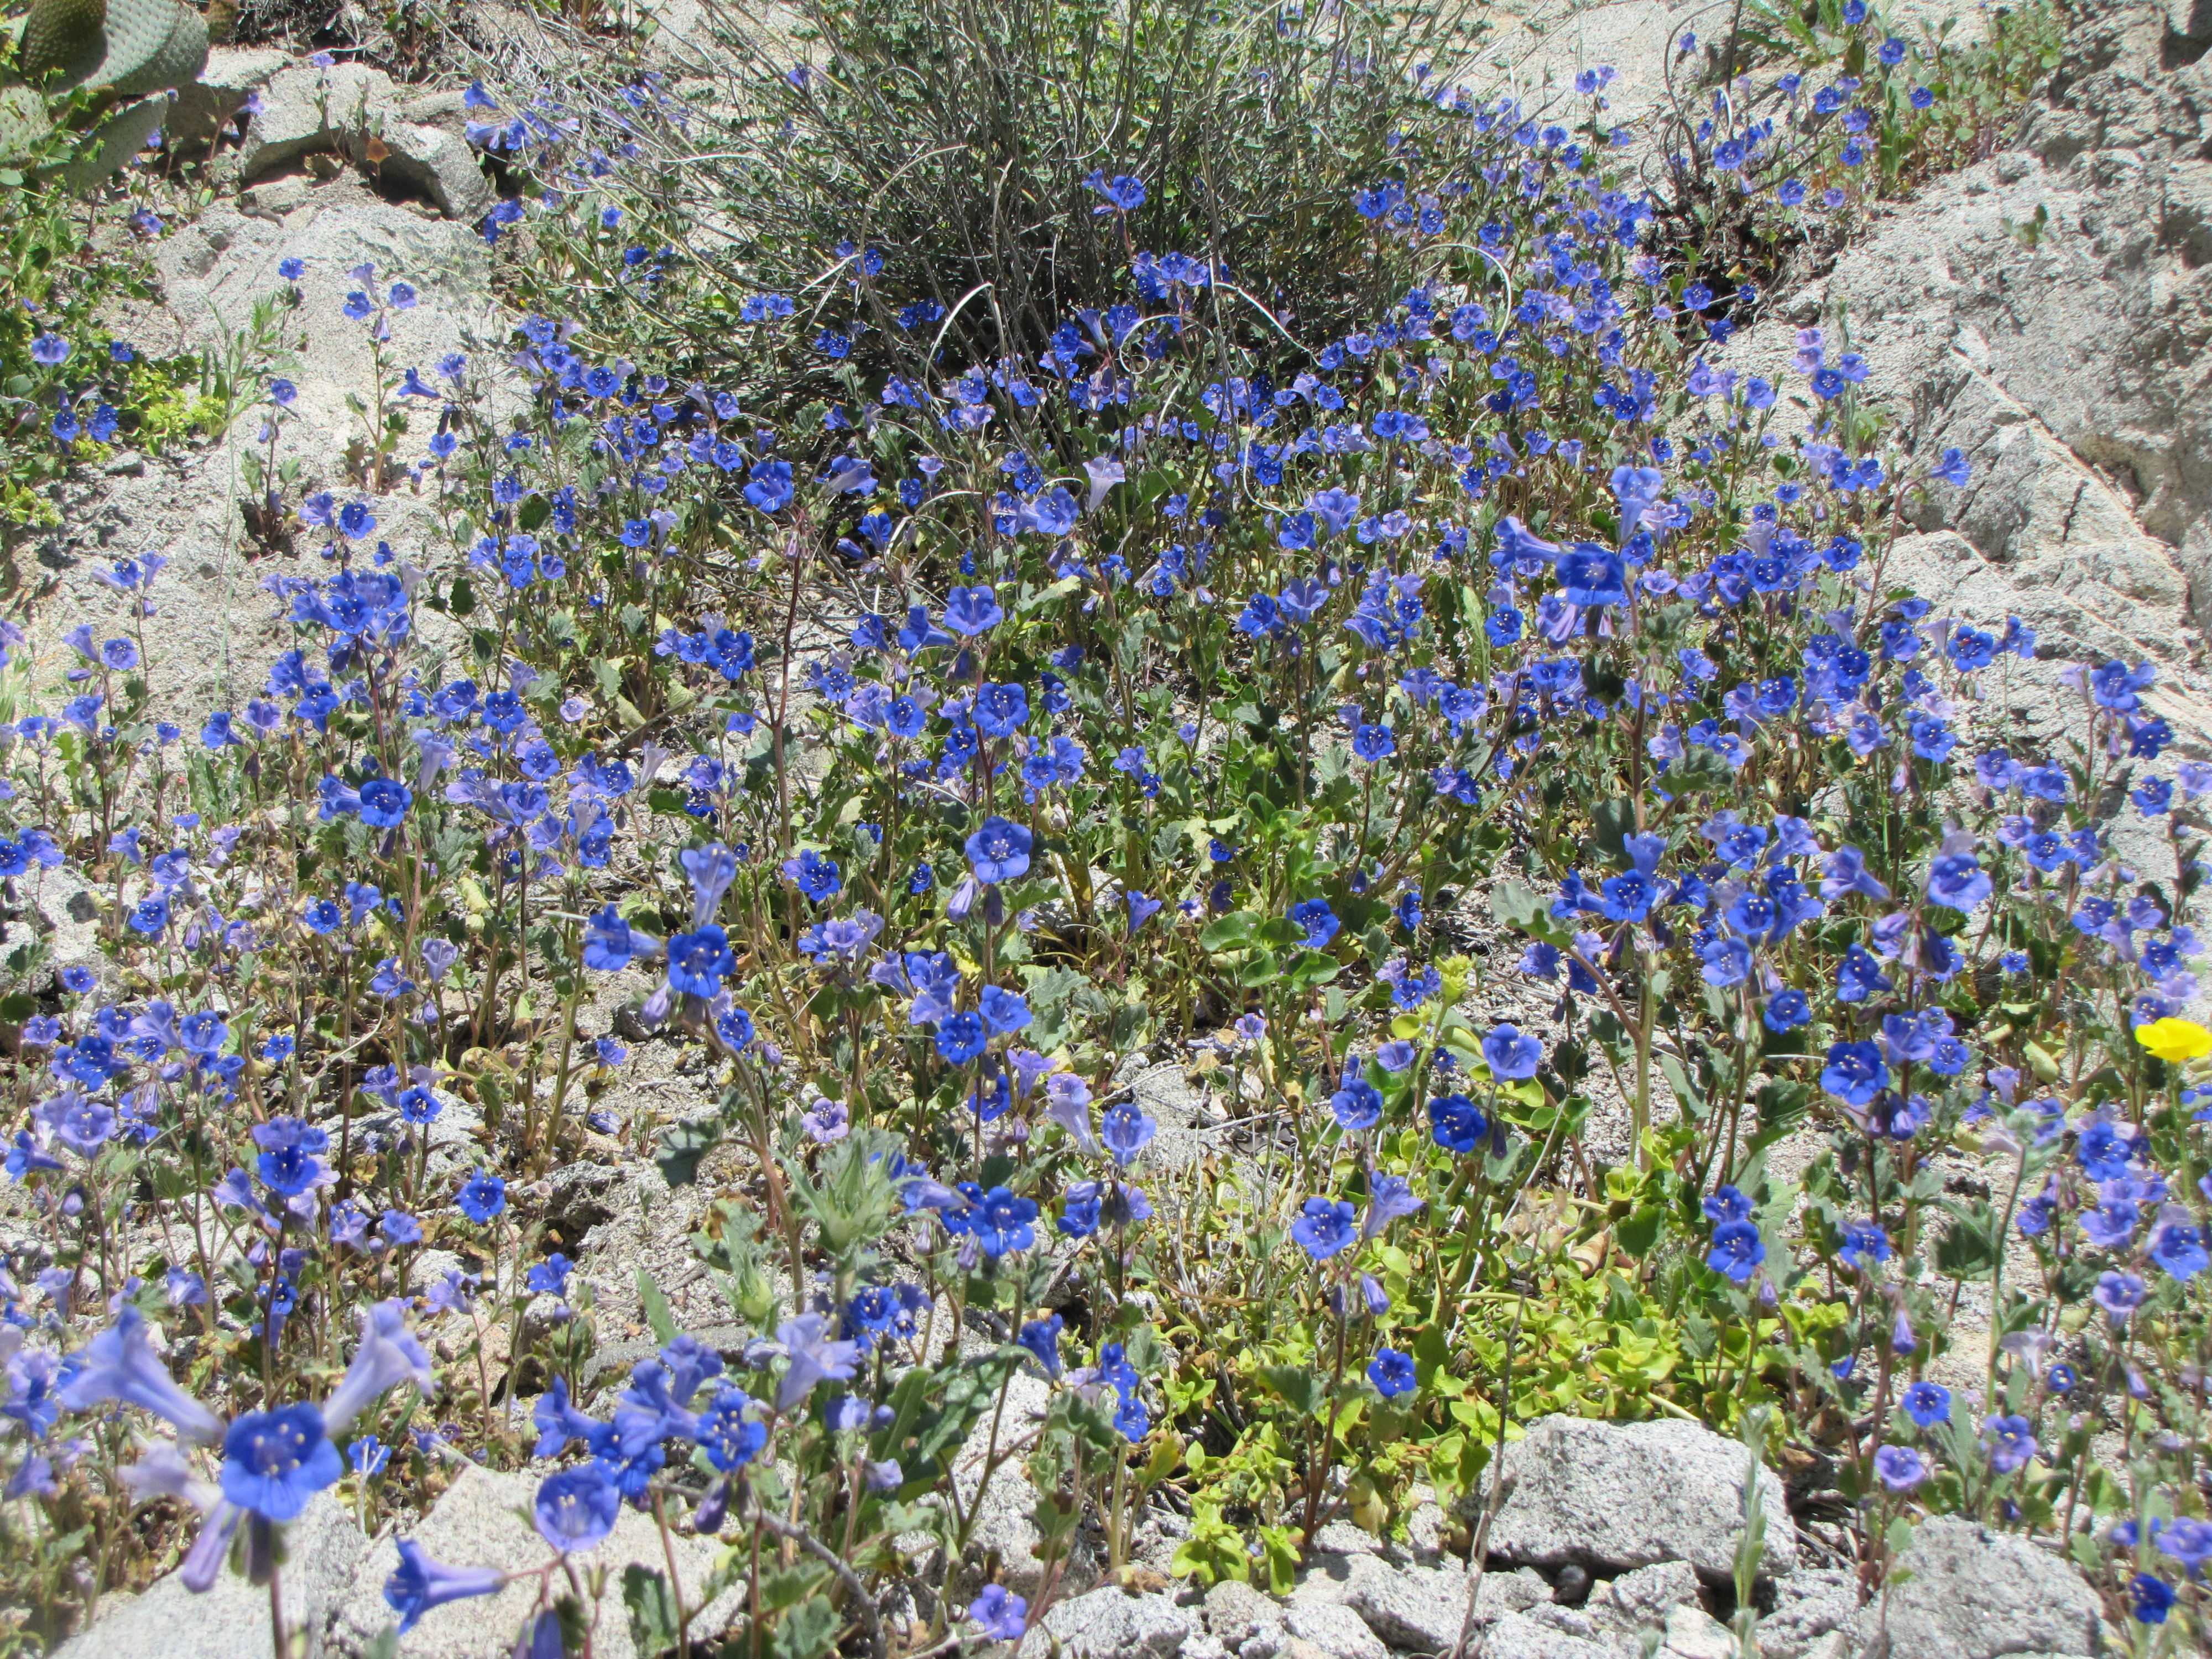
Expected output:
(1859, 976)
(1000, 710)
(1927, 1404)
(120, 1364)
(1900, 1468)
(1510, 1055)
(1042, 1337)
(1003, 1615)
(1318, 922)
(577, 1508)
(970, 611)
(727, 1435)
(1358, 1105)
(1592, 576)
(1726, 1205)
(1456, 1123)
(482, 1197)
(1124, 1130)
(1957, 880)
(1786, 1011)
(420, 1585)
(1865, 1245)
(1391, 1372)
(1127, 194)
(998, 850)
(2011, 1443)
(2150, 1599)
(1002, 1223)
(814, 1357)
(1374, 743)
(274, 1461)
(1737, 1250)
(1323, 1228)
(698, 961)
(1855, 1072)
(550, 1276)
(818, 878)
(961, 1038)
(2178, 1246)
(1079, 1208)
(288, 1164)
(1004, 1011)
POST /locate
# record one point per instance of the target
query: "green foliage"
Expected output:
(953, 144)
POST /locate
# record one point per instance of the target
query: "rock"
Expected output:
(1977, 1594)
(1424, 1528)
(215, 634)
(1415, 1606)
(1235, 1611)
(1106, 1624)
(1614, 1496)
(1003, 1523)
(1807, 1605)
(1337, 1631)
(1645, 1599)
(1522, 1637)
(322, 1548)
(1342, 1538)
(1693, 1633)
(352, 110)
(58, 906)
(227, 82)
(479, 1522)
(2064, 363)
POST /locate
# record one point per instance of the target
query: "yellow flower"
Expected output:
(2174, 1041)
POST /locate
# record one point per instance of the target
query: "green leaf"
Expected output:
(806, 1631)
(1518, 907)
(652, 1604)
(1969, 1247)
(1300, 1387)
(1231, 932)
(1691, 1098)
(682, 1146)
(1611, 824)
(1260, 969)
(1640, 1231)
(658, 1314)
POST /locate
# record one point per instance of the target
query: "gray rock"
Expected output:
(2063, 363)
(322, 1549)
(1613, 1496)
(1414, 1606)
(1337, 1631)
(1691, 1632)
(1977, 1594)
(480, 1521)
(1643, 1600)
(57, 905)
(231, 76)
(215, 634)
(1234, 1611)
(354, 111)
(1807, 1605)
(1003, 1522)
(1107, 1624)
(1523, 1637)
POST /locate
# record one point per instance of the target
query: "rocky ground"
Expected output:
(2072, 367)
(1618, 1542)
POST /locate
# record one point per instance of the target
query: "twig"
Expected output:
(829, 1558)
(1501, 1488)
